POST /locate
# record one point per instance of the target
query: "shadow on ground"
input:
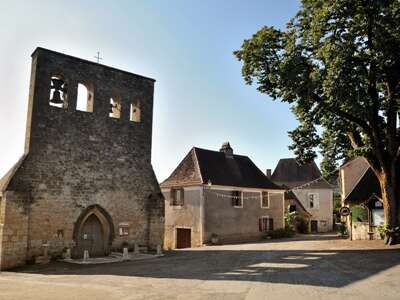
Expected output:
(329, 268)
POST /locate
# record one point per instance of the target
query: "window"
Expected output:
(264, 200)
(58, 92)
(313, 200)
(135, 112)
(237, 200)
(84, 100)
(292, 208)
(265, 224)
(177, 197)
(115, 107)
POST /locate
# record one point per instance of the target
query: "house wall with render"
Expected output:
(323, 213)
(189, 216)
(239, 224)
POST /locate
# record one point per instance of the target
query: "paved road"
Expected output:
(308, 267)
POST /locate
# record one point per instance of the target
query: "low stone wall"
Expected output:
(360, 231)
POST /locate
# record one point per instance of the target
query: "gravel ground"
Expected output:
(305, 267)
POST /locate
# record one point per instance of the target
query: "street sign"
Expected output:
(344, 211)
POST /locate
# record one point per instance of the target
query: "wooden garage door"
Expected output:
(183, 238)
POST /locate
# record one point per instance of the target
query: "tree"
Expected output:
(338, 64)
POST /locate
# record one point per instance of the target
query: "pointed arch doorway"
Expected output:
(94, 231)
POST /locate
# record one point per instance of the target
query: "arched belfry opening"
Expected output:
(58, 92)
(94, 232)
(84, 101)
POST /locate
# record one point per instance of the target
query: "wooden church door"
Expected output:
(93, 236)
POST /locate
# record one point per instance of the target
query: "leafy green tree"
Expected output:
(338, 64)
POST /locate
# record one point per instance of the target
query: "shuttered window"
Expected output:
(264, 200)
(177, 197)
(265, 224)
(313, 201)
(237, 200)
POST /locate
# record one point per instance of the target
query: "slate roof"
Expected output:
(201, 165)
(289, 195)
(351, 173)
(290, 173)
(366, 187)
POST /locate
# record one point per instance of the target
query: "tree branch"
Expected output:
(351, 118)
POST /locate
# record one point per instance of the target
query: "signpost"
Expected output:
(345, 212)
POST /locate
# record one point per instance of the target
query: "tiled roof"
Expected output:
(289, 195)
(290, 173)
(201, 166)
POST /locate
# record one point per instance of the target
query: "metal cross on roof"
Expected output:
(98, 57)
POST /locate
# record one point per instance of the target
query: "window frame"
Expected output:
(240, 198)
(267, 227)
(315, 200)
(262, 198)
(174, 192)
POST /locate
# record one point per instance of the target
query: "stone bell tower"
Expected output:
(85, 181)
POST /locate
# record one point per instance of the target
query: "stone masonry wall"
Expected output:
(76, 159)
(13, 230)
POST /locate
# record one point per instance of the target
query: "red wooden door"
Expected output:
(183, 238)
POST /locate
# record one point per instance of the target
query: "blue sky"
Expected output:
(200, 97)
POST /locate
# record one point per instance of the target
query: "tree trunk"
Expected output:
(390, 190)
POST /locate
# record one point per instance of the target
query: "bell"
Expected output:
(111, 108)
(56, 99)
(57, 83)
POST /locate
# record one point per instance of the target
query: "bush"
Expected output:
(359, 213)
(280, 233)
(302, 226)
(341, 229)
(290, 218)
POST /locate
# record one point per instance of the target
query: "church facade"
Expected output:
(85, 181)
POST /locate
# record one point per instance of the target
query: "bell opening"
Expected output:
(57, 92)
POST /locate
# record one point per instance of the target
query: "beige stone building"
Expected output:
(314, 192)
(85, 181)
(220, 195)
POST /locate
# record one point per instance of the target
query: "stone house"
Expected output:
(360, 187)
(219, 194)
(85, 181)
(292, 203)
(307, 184)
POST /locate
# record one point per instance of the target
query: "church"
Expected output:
(85, 180)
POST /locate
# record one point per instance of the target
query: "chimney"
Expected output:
(268, 173)
(227, 149)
